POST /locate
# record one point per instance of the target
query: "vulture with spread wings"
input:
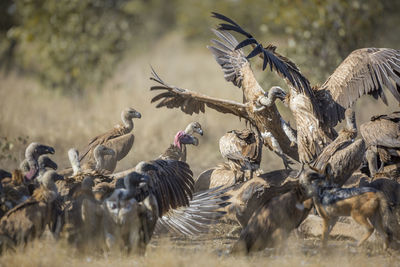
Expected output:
(318, 109)
(258, 107)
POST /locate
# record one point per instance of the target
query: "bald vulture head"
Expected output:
(44, 162)
(99, 152)
(274, 93)
(194, 127)
(32, 153)
(182, 138)
(130, 113)
(34, 150)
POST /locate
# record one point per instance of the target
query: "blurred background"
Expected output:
(69, 67)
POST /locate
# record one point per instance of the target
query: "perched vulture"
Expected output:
(382, 138)
(29, 219)
(318, 109)
(120, 139)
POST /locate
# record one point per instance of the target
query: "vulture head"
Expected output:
(269, 97)
(194, 127)
(130, 113)
(32, 153)
(103, 190)
(182, 138)
(119, 207)
(45, 162)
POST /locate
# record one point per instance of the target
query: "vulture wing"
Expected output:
(382, 130)
(202, 211)
(102, 139)
(278, 63)
(364, 71)
(172, 184)
(191, 102)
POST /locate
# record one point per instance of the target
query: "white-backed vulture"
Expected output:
(177, 150)
(120, 139)
(242, 149)
(318, 109)
(237, 70)
(28, 220)
(344, 155)
(382, 138)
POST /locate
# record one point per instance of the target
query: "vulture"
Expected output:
(264, 117)
(318, 109)
(29, 219)
(32, 154)
(120, 139)
(382, 137)
(242, 149)
(341, 158)
(130, 215)
(177, 150)
(44, 162)
(82, 216)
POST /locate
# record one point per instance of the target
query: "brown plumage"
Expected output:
(14, 191)
(237, 69)
(318, 109)
(120, 139)
(242, 149)
(382, 138)
(28, 220)
(344, 155)
(272, 223)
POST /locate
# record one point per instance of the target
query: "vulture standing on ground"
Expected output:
(120, 139)
(28, 220)
(382, 137)
(318, 109)
(177, 150)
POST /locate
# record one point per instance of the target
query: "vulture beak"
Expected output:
(200, 131)
(47, 149)
(138, 115)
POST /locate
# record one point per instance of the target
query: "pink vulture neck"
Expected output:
(177, 139)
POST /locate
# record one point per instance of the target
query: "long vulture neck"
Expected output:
(99, 161)
(127, 120)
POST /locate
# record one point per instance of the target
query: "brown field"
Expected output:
(64, 121)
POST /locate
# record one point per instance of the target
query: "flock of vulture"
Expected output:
(92, 207)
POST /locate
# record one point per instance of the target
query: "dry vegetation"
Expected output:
(64, 122)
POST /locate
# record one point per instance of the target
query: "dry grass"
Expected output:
(64, 122)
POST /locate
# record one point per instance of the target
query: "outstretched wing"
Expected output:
(278, 63)
(233, 62)
(173, 184)
(191, 102)
(364, 71)
(202, 211)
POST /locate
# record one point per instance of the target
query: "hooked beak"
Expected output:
(200, 131)
(138, 115)
(48, 150)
